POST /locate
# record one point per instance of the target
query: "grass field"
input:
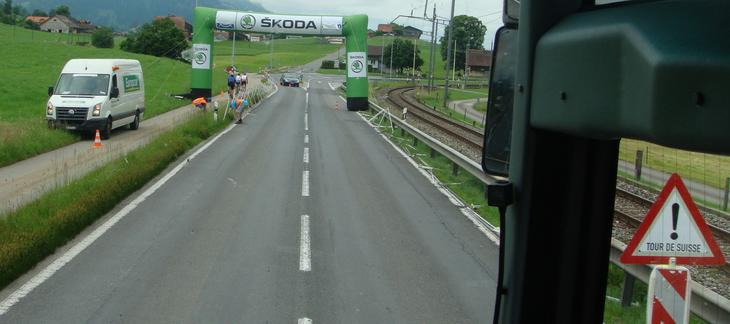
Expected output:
(254, 56)
(31, 62)
(704, 168)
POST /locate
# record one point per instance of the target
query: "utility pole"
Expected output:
(434, 31)
(271, 51)
(415, 44)
(448, 53)
(382, 55)
(466, 55)
(453, 66)
(233, 51)
(392, 44)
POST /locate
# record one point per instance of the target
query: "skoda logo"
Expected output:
(356, 66)
(248, 21)
(71, 112)
(200, 58)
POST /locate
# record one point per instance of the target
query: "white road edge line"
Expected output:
(306, 139)
(57, 264)
(305, 183)
(304, 321)
(306, 155)
(466, 211)
(276, 89)
(305, 258)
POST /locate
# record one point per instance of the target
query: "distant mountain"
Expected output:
(123, 15)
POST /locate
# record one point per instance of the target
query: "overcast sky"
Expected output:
(384, 11)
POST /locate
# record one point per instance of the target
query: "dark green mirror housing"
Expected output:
(498, 130)
(619, 72)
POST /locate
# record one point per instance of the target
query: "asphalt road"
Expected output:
(254, 230)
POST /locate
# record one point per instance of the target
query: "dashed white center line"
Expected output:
(306, 102)
(304, 321)
(306, 122)
(305, 260)
(306, 155)
(306, 139)
(305, 183)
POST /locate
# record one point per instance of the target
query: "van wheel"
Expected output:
(135, 124)
(107, 131)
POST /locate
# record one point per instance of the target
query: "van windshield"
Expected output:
(88, 84)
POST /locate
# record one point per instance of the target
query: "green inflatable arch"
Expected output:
(354, 28)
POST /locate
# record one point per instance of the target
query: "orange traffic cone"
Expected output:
(97, 140)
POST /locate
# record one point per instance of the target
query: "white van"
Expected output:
(93, 94)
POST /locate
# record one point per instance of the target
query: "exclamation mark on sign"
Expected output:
(675, 218)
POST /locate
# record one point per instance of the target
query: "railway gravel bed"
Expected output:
(470, 150)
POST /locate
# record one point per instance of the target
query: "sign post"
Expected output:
(673, 232)
(669, 294)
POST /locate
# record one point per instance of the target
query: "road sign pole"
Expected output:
(627, 291)
(668, 298)
(727, 193)
(637, 164)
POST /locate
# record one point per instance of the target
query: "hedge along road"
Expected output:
(27, 180)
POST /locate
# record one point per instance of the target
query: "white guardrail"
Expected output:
(704, 302)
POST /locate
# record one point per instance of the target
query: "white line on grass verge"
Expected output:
(305, 259)
(305, 183)
(64, 259)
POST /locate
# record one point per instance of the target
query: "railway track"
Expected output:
(460, 131)
(630, 208)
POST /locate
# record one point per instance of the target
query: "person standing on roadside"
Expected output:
(231, 85)
(237, 106)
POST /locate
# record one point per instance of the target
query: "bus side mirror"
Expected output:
(498, 130)
(50, 91)
(115, 93)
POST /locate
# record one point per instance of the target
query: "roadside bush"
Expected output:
(102, 38)
(327, 64)
(160, 38)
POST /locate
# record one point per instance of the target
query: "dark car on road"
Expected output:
(289, 80)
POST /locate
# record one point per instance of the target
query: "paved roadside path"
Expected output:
(27, 180)
(468, 104)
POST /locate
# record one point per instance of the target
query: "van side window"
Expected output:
(114, 81)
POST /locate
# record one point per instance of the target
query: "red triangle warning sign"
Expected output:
(673, 228)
